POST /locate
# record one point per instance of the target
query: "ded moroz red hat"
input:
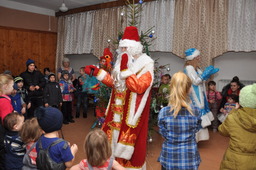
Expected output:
(131, 39)
(131, 33)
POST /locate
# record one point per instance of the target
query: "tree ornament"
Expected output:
(150, 139)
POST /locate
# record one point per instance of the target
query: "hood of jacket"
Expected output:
(246, 117)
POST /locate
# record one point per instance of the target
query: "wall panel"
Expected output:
(18, 45)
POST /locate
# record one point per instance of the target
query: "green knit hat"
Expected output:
(247, 96)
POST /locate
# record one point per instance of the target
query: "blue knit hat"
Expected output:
(49, 118)
(29, 61)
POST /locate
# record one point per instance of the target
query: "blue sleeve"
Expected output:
(66, 154)
(162, 123)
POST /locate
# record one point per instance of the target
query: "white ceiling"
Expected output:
(55, 4)
(48, 5)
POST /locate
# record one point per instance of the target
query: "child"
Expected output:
(164, 90)
(240, 127)
(52, 92)
(29, 134)
(17, 102)
(46, 74)
(61, 154)
(6, 87)
(232, 103)
(98, 153)
(67, 89)
(22, 91)
(178, 124)
(214, 97)
(81, 94)
(14, 147)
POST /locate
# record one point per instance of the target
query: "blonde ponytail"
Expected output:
(179, 93)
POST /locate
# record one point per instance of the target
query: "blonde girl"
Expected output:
(178, 124)
(29, 134)
(98, 153)
(6, 88)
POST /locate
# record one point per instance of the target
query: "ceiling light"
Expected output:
(63, 7)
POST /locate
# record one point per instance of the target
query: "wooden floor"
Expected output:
(211, 151)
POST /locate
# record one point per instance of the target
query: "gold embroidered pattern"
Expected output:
(117, 109)
(120, 96)
(109, 134)
(127, 138)
(114, 125)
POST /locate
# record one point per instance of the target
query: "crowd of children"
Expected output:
(19, 144)
(36, 144)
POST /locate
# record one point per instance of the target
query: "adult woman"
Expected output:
(233, 87)
(198, 95)
(66, 66)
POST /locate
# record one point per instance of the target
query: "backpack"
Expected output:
(44, 161)
(27, 164)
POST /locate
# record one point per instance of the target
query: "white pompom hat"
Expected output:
(191, 53)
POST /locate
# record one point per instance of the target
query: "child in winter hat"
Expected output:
(240, 126)
(50, 120)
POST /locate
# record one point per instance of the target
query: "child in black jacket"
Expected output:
(52, 92)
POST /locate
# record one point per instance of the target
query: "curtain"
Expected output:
(201, 24)
(107, 23)
(78, 33)
(212, 26)
(242, 25)
(60, 43)
(160, 15)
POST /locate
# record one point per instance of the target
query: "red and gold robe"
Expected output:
(127, 114)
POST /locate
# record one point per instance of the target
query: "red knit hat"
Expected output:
(131, 33)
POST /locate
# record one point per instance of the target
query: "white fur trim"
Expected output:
(199, 103)
(128, 43)
(195, 54)
(210, 116)
(125, 74)
(143, 64)
(202, 134)
(101, 75)
(108, 106)
(117, 118)
(118, 101)
(205, 121)
(124, 151)
(115, 136)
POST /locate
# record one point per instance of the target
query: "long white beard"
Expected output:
(119, 83)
